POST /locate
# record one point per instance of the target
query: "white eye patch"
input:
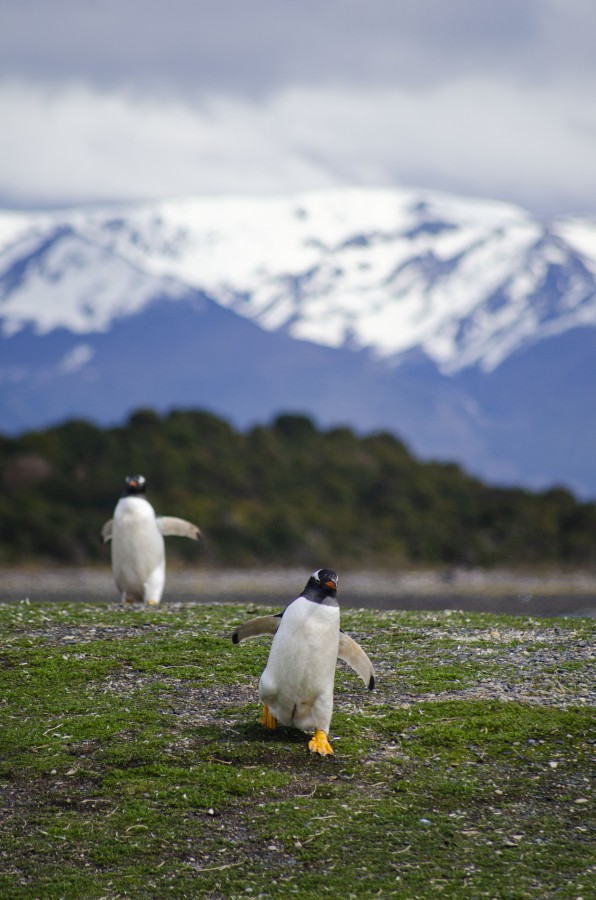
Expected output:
(320, 575)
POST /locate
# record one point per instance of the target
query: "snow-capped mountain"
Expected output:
(437, 296)
(468, 282)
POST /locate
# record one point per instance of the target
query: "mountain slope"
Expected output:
(465, 281)
(467, 327)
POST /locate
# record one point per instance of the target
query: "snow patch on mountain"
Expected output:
(76, 359)
(55, 277)
(467, 282)
(579, 233)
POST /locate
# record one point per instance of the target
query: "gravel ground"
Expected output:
(464, 792)
(500, 591)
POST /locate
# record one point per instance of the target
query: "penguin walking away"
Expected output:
(296, 687)
(138, 548)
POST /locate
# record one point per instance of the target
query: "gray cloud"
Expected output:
(262, 45)
(131, 98)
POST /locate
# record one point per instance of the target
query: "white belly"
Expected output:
(297, 684)
(138, 551)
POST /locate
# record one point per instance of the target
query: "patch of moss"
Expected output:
(134, 763)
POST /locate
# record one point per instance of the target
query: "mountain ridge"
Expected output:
(468, 282)
(467, 327)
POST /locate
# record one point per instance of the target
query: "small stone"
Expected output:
(425, 822)
(210, 811)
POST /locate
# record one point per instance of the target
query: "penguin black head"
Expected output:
(321, 587)
(135, 484)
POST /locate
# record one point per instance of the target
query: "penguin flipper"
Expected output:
(106, 531)
(353, 654)
(170, 525)
(256, 627)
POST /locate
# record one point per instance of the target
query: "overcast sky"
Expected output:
(133, 99)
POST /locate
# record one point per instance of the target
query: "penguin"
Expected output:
(138, 548)
(296, 687)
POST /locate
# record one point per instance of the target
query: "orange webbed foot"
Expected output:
(268, 720)
(319, 744)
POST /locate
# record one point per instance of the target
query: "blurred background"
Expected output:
(325, 273)
(146, 99)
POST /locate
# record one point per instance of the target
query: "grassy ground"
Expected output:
(133, 765)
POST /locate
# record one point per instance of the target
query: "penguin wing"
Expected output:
(170, 525)
(257, 627)
(353, 654)
(106, 531)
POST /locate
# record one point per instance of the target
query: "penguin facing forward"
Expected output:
(296, 687)
(138, 547)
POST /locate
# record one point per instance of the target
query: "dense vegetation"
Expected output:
(286, 493)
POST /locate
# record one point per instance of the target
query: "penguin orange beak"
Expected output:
(331, 584)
